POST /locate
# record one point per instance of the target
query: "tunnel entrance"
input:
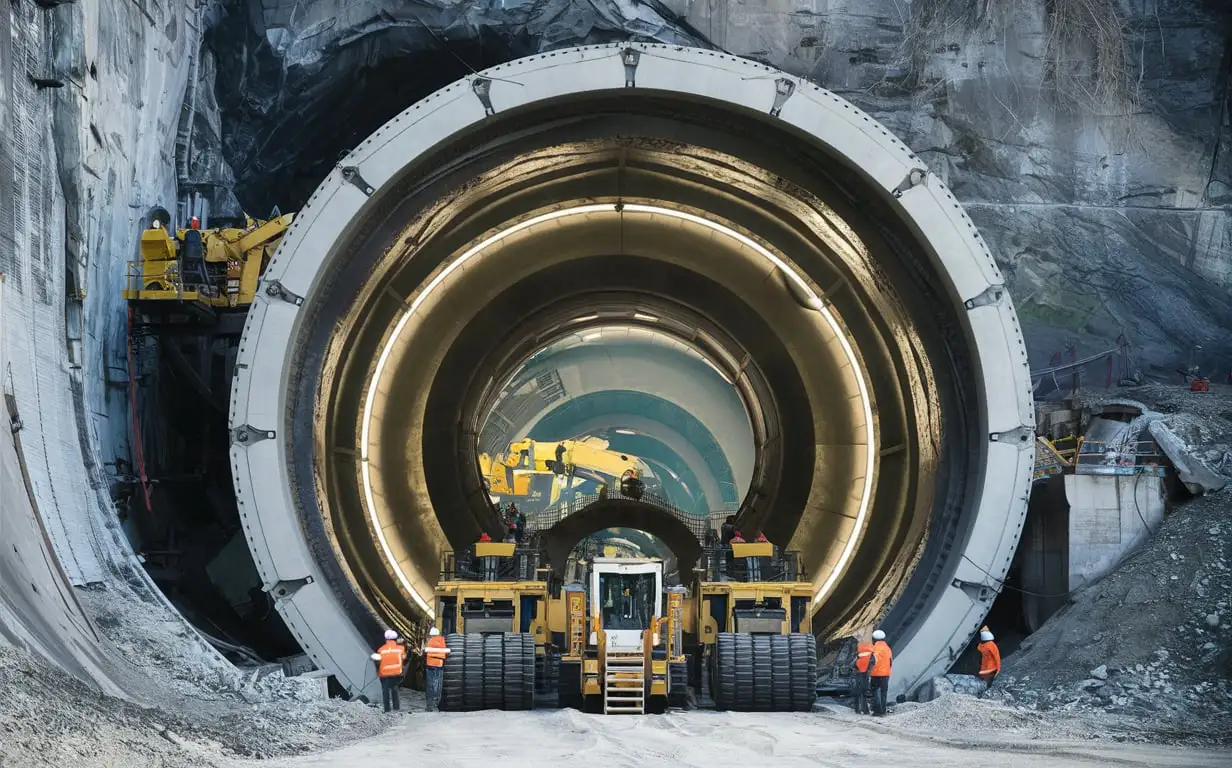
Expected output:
(827, 276)
(680, 533)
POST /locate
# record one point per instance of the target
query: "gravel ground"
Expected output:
(195, 709)
(940, 734)
(48, 717)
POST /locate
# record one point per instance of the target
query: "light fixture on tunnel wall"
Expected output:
(797, 285)
(645, 318)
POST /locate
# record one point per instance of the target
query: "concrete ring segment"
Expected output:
(261, 409)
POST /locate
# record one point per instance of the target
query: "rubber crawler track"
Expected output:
(489, 672)
(765, 673)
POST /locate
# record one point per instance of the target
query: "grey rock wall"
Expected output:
(1092, 148)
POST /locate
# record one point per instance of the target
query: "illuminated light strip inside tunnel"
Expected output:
(813, 301)
(309, 499)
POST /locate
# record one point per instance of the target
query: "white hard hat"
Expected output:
(375, 657)
(434, 632)
(878, 634)
(391, 635)
(985, 635)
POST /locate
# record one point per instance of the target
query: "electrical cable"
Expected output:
(1138, 509)
(1005, 585)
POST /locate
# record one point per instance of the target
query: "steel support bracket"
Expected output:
(630, 58)
(976, 591)
(248, 434)
(993, 295)
(288, 587)
(914, 178)
(783, 89)
(1021, 436)
(482, 87)
(352, 175)
(276, 290)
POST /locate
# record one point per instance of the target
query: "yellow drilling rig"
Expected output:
(202, 271)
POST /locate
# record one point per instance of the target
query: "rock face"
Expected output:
(1105, 197)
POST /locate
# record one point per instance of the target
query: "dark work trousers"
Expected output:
(881, 692)
(436, 676)
(389, 692)
(988, 678)
(860, 693)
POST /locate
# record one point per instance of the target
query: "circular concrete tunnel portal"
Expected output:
(818, 265)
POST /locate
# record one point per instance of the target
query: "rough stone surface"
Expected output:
(1106, 199)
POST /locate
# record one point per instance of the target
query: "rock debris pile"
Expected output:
(1150, 642)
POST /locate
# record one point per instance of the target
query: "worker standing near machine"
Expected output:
(390, 659)
(879, 678)
(434, 661)
(860, 681)
(990, 658)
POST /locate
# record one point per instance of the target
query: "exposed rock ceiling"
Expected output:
(1105, 200)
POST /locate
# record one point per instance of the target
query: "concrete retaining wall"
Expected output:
(1109, 517)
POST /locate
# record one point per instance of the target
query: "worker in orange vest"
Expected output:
(860, 684)
(879, 677)
(434, 661)
(990, 658)
(390, 661)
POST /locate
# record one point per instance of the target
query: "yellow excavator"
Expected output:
(208, 269)
(537, 471)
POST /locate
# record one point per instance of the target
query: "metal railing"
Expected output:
(718, 564)
(465, 565)
(1096, 457)
(140, 273)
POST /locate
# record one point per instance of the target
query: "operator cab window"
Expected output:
(626, 600)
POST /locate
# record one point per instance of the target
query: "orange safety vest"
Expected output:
(864, 654)
(393, 656)
(990, 658)
(432, 651)
(884, 655)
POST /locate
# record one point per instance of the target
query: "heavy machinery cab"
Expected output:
(751, 588)
(626, 595)
(493, 587)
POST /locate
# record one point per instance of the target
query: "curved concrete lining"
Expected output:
(902, 324)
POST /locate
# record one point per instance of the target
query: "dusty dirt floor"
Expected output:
(922, 736)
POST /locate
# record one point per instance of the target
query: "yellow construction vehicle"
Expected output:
(538, 471)
(211, 269)
(618, 640)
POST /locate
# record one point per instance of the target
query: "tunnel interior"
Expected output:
(570, 215)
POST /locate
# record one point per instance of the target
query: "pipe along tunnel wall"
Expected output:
(835, 282)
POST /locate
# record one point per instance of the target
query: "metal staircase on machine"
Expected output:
(624, 683)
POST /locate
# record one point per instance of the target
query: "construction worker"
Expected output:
(434, 660)
(390, 661)
(879, 677)
(860, 681)
(990, 658)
